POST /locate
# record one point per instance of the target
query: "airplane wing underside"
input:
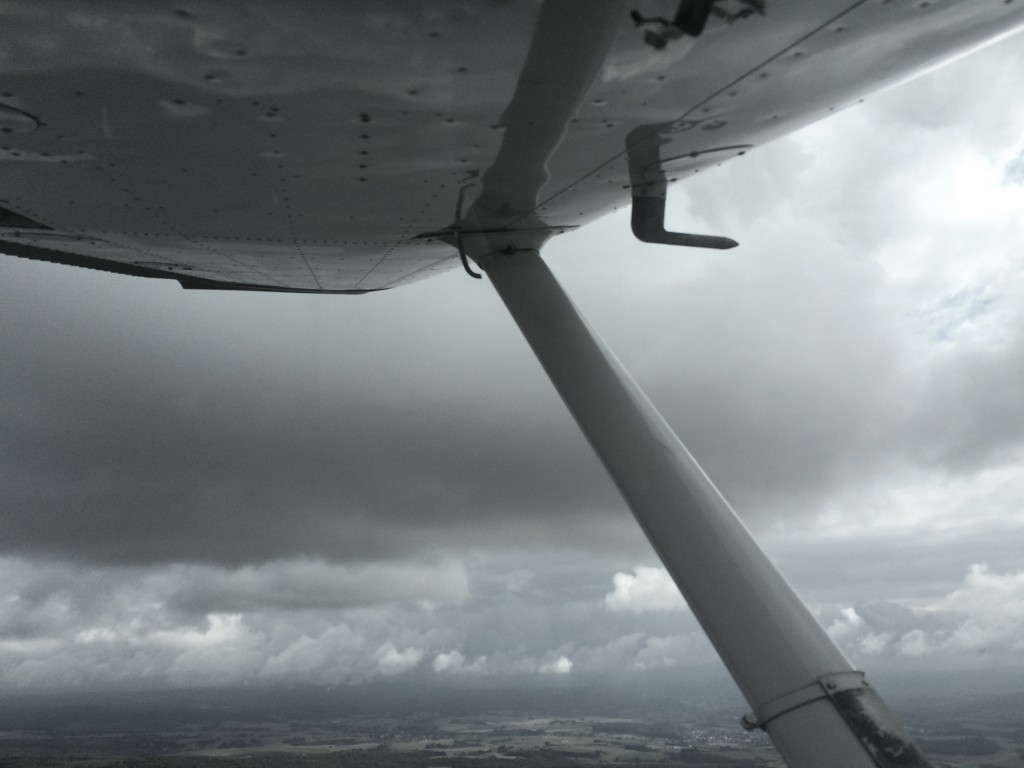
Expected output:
(333, 147)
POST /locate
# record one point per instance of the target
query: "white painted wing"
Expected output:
(309, 147)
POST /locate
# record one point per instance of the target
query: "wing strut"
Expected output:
(817, 709)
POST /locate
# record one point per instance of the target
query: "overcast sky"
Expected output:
(207, 488)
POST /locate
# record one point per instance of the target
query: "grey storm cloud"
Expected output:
(208, 488)
(210, 437)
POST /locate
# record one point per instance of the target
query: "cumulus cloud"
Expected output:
(560, 666)
(664, 652)
(391, 661)
(64, 625)
(454, 662)
(983, 618)
(298, 584)
(645, 652)
(646, 589)
(331, 655)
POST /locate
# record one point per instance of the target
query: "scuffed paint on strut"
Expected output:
(872, 722)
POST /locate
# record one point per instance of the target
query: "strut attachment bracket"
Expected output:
(825, 688)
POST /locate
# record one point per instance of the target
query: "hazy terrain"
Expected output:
(413, 725)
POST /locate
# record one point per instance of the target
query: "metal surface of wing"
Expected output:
(299, 147)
